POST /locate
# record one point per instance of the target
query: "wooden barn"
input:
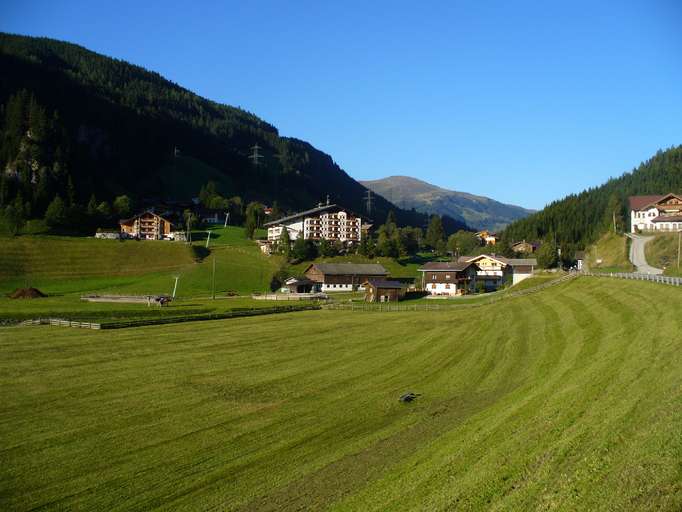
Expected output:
(383, 291)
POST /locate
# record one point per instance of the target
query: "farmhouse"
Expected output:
(326, 222)
(337, 277)
(486, 237)
(147, 226)
(525, 247)
(299, 285)
(383, 291)
(466, 274)
(656, 213)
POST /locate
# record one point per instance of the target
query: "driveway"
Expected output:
(637, 256)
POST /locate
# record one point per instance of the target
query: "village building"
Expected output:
(326, 222)
(298, 285)
(383, 291)
(524, 247)
(486, 237)
(579, 260)
(339, 277)
(146, 226)
(656, 213)
(467, 273)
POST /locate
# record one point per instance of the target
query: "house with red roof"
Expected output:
(656, 213)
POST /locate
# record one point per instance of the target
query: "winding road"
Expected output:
(637, 254)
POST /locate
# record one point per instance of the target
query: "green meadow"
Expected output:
(563, 399)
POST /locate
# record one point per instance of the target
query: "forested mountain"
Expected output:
(76, 123)
(579, 219)
(476, 211)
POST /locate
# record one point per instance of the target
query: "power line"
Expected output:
(255, 155)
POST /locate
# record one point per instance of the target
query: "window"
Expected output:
(433, 276)
(447, 276)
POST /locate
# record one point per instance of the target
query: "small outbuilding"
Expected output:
(384, 291)
(299, 285)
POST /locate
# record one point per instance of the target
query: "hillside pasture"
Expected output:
(610, 254)
(72, 265)
(661, 252)
(559, 400)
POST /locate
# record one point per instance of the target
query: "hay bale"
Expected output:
(26, 293)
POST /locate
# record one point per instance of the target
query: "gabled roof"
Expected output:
(644, 202)
(506, 261)
(128, 221)
(379, 283)
(306, 213)
(366, 269)
(298, 280)
(444, 266)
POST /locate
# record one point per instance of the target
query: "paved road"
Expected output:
(637, 256)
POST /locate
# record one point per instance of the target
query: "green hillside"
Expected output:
(80, 265)
(578, 220)
(91, 124)
(560, 400)
(610, 254)
(662, 252)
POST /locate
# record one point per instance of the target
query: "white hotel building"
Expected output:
(656, 213)
(327, 222)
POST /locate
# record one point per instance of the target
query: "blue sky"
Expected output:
(524, 102)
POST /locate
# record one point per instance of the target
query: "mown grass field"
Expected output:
(566, 399)
(661, 252)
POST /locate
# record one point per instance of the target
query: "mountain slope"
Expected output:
(580, 219)
(119, 125)
(476, 211)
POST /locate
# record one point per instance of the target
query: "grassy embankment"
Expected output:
(560, 400)
(661, 252)
(610, 254)
(67, 267)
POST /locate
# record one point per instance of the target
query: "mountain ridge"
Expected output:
(479, 212)
(120, 125)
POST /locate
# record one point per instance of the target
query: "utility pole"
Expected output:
(255, 155)
(227, 217)
(614, 221)
(213, 280)
(208, 238)
(175, 286)
(679, 246)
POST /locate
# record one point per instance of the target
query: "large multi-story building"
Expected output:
(147, 226)
(327, 222)
(656, 213)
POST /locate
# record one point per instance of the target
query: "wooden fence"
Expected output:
(62, 323)
(169, 320)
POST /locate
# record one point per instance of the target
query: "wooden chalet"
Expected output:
(465, 275)
(384, 291)
(299, 285)
(337, 277)
(146, 226)
(524, 247)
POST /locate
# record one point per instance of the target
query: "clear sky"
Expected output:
(521, 101)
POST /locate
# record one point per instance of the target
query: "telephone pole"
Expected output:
(213, 280)
(679, 246)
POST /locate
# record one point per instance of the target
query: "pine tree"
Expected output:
(56, 213)
(285, 243)
(435, 235)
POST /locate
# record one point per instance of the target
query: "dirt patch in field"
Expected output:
(26, 293)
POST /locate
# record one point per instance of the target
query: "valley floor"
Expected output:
(566, 399)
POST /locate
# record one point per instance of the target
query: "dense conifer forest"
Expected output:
(579, 219)
(85, 128)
